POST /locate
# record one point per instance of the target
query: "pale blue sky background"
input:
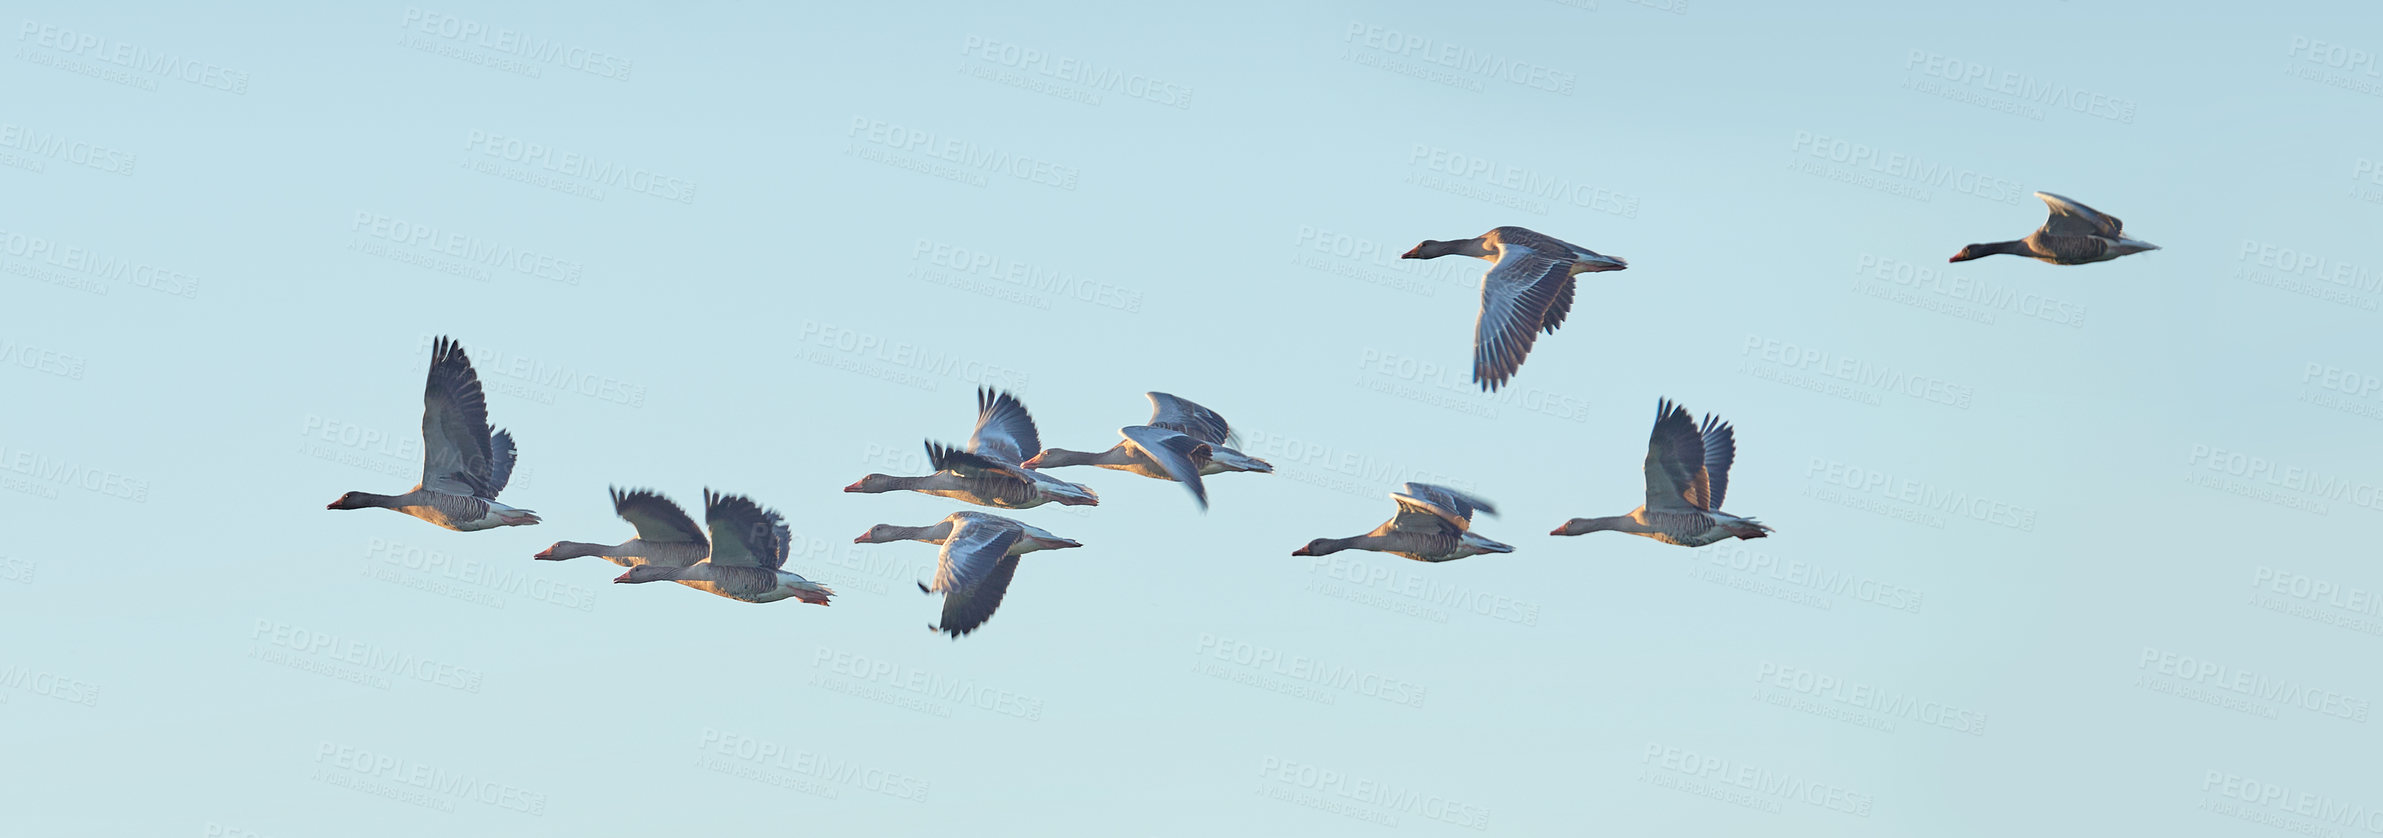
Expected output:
(185, 620)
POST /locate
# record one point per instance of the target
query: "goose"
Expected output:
(1527, 290)
(1687, 474)
(990, 471)
(464, 466)
(665, 535)
(749, 546)
(1433, 524)
(2075, 235)
(1182, 442)
(980, 555)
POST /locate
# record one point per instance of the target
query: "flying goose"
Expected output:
(665, 535)
(1181, 442)
(749, 546)
(990, 472)
(1527, 290)
(2074, 235)
(1433, 524)
(463, 465)
(1687, 474)
(980, 555)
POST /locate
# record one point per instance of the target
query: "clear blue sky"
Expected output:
(2077, 549)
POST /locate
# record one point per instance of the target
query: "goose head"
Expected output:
(355, 500)
(881, 533)
(1321, 547)
(647, 573)
(873, 483)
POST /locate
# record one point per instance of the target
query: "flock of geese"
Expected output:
(740, 552)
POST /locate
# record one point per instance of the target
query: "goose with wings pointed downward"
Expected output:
(1433, 524)
(1527, 292)
(464, 463)
(748, 559)
(1182, 442)
(991, 471)
(980, 556)
(2076, 234)
(1687, 474)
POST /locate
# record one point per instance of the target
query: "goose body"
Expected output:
(1527, 292)
(665, 535)
(748, 557)
(464, 462)
(1687, 474)
(2075, 234)
(1433, 524)
(991, 470)
(979, 558)
(1182, 442)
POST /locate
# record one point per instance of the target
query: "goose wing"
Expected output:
(1721, 449)
(1189, 418)
(1430, 507)
(1675, 460)
(457, 457)
(1004, 430)
(1518, 295)
(1181, 455)
(500, 445)
(656, 518)
(744, 534)
(966, 611)
(975, 546)
(2070, 218)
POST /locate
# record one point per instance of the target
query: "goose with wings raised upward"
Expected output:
(665, 535)
(2075, 235)
(1182, 442)
(748, 559)
(991, 472)
(980, 555)
(1433, 524)
(1526, 292)
(464, 464)
(1687, 475)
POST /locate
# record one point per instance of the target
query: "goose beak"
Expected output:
(1304, 551)
(547, 553)
(621, 578)
(863, 538)
(856, 485)
(1035, 461)
(1412, 253)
